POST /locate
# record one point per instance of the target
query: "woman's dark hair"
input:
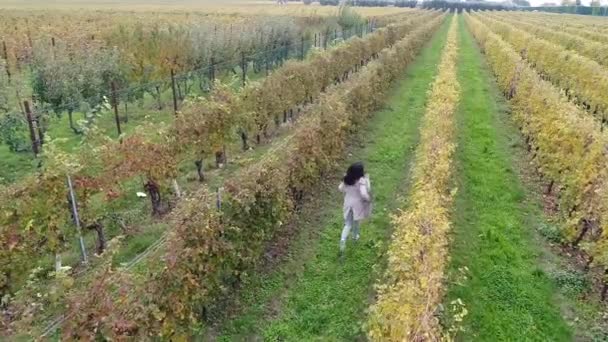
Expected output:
(354, 173)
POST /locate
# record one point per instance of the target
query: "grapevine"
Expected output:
(568, 148)
(414, 280)
(254, 207)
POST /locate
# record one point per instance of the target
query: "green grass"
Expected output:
(14, 165)
(312, 296)
(508, 295)
(142, 229)
(17, 165)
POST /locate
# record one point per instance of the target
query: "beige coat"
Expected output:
(357, 198)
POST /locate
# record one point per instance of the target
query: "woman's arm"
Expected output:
(341, 187)
(364, 189)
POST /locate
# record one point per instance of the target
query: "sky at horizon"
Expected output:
(174, 3)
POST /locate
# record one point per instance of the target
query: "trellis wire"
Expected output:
(160, 242)
(293, 49)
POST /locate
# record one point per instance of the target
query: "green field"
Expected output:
(251, 253)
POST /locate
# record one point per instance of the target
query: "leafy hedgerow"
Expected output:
(582, 78)
(210, 252)
(33, 223)
(577, 40)
(412, 288)
(568, 147)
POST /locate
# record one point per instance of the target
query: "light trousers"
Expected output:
(349, 225)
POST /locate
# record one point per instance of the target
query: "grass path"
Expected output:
(508, 295)
(311, 296)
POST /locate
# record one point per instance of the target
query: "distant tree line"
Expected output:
(402, 3)
(572, 8)
(360, 3)
(567, 6)
(465, 6)
(434, 4)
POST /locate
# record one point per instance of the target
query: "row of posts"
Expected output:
(37, 137)
(320, 40)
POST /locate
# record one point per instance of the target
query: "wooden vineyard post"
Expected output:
(8, 73)
(224, 155)
(53, 48)
(283, 52)
(315, 45)
(174, 92)
(115, 105)
(37, 115)
(18, 95)
(266, 65)
(302, 48)
(5, 56)
(243, 68)
(218, 202)
(30, 123)
(4, 51)
(76, 217)
(212, 71)
(39, 127)
(218, 199)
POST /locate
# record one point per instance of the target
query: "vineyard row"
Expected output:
(568, 147)
(582, 32)
(209, 251)
(204, 127)
(412, 288)
(157, 159)
(58, 82)
(576, 21)
(584, 80)
(582, 46)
